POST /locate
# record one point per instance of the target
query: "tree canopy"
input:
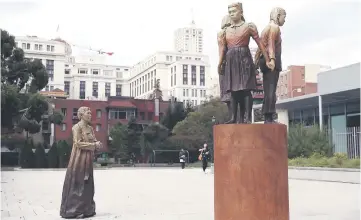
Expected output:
(21, 80)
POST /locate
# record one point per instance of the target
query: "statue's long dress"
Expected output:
(239, 70)
(78, 189)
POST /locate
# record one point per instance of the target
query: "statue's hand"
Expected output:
(98, 145)
(271, 64)
(220, 67)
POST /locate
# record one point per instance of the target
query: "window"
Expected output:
(150, 116)
(82, 90)
(75, 113)
(202, 76)
(95, 89)
(97, 127)
(141, 115)
(36, 47)
(108, 72)
(195, 93)
(63, 111)
(40, 47)
(67, 87)
(119, 74)
(47, 88)
(192, 92)
(47, 47)
(67, 71)
(118, 90)
(99, 113)
(184, 92)
(23, 46)
(49, 65)
(185, 74)
(51, 87)
(121, 114)
(52, 48)
(28, 46)
(83, 71)
(107, 89)
(187, 92)
(63, 127)
(95, 71)
(194, 76)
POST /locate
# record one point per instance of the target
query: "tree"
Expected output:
(53, 158)
(174, 114)
(152, 138)
(56, 118)
(16, 72)
(40, 156)
(119, 144)
(133, 135)
(197, 127)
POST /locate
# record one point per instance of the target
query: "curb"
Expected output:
(325, 169)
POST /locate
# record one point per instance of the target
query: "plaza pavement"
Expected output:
(162, 194)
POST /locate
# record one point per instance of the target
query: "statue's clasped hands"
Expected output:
(98, 145)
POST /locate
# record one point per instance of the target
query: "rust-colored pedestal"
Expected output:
(250, 172)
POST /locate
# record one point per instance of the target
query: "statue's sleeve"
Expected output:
(274, 32)
(221, 38)
(253, 31)
(77, 140)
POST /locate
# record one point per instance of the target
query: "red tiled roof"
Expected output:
(121, 103)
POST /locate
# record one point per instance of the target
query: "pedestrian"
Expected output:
(204, 156)
(182, 158)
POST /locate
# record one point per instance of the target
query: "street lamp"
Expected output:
(212, 162)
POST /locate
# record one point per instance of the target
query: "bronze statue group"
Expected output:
(237, 77)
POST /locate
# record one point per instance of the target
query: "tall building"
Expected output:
(52, 53)
(89, 77)
(189, 39)
(299, 80)
(168, 68)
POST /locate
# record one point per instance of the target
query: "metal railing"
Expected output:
(347, 142)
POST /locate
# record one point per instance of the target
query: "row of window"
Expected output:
(143, 84)
(194, 75)
(95, 89)
(64, 126)
(38, 47)
(194, 93)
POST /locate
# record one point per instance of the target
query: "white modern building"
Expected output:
(89, 77)
(189, 39)
(161, 66)
(52, 53)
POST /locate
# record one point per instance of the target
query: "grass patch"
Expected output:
(336, 161)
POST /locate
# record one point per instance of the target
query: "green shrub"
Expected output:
(53, 158)
(64, 151)
(27, 157)
(40, 157)
(316, 160)
(306, 141)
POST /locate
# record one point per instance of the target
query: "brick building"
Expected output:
(298, 80)
(105, 114)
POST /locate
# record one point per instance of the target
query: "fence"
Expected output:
(347, 142)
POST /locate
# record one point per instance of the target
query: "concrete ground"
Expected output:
(162, 194)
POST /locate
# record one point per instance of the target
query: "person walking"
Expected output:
(205, 155)
(182, 158)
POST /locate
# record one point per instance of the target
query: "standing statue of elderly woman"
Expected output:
(236, 63)
(78, 190)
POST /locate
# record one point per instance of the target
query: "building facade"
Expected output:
(189, 39)
(52, 53)
(106, 114)
(299, 80)
(335, 108)
(89, 77)
(159, 66)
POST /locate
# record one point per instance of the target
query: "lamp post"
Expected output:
(212, 162)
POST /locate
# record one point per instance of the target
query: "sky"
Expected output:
(323, 32)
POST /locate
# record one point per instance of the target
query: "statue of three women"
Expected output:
(237, 71)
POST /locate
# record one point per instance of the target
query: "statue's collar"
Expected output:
(237, 25)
